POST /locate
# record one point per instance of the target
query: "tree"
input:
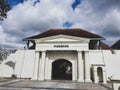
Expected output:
(4, 8)
(4, 53)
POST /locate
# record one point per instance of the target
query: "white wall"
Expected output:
(71, 46)
(7, 66)
(55, 55)
(96, 57)
(112, 62)
(28, 64)
(24, 62)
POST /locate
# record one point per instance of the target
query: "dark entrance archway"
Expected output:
(100, 74)
(61, 70)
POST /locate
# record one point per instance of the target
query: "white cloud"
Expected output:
(2, 35)
(27, 19)
(104, 22)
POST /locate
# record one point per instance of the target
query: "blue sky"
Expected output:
(30, 17)
(66, 24)
(14, 2)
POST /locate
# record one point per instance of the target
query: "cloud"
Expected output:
(31, 17)
(101, 17)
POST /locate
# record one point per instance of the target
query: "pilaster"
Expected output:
(35, 72)
(42, 66)
(95, 75)
(87, 67)
(104, 75)
(80, 67)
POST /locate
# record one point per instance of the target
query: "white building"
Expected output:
(63, 54)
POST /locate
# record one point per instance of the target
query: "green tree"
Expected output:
(4, 8)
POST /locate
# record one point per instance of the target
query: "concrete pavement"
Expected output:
(25, 84)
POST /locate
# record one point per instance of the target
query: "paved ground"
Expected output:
(25, 84)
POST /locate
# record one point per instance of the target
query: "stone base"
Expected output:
(80, 80)
(41, 79)
(33, 78)
(88, 80)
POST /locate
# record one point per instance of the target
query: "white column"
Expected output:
(74, 71)
(42, 66)
(95, 75)
(35, 72)
(50, 70)
(104, 76)
(80, 67)
(87, 67)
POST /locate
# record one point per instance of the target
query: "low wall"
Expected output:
(20, 63)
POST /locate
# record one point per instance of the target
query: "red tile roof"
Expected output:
(71, 32)
(116, 45)
(104, 46)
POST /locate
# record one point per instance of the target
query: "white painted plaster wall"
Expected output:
(28, 64)
(6, 69)
(112, 62)
(72, 46)
(55, 55)
(24, 62)
(96, 57)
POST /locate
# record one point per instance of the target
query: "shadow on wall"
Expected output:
(10, 64)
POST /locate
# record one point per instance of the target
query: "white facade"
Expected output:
(87, 65)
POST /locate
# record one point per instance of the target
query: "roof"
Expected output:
(71, 32)
(104, 46)
(116, 45)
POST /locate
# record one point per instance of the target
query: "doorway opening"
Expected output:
(61, 70)
(100, 74)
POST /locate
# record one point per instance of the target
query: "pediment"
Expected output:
(62, 38)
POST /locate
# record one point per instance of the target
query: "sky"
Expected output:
(29, 17)
(14, 2)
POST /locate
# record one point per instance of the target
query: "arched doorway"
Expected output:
(100, 74)
(61, 70)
